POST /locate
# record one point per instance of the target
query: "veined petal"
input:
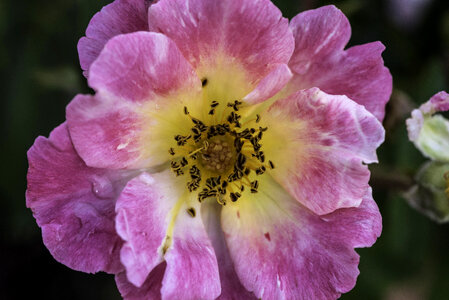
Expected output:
(231, 287)
(121, 16)
(130, 122)
(319, 144)
(143, 216)
(297, 254)
(151, 288)
(429, 133)
(232, 44)
(154, 220)
(270, 85)
(74, 204)
(320, 60)
(192, 270)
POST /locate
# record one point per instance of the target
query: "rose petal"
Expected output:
(270, 85)
(153, 220)
(320, 60)
(151, 288)
(121, 16)
(143, 216)
(281, 250)
(192, 270)
(131, 121)
(74, 204)
(231, 287)
(232, 44)
(319, 145)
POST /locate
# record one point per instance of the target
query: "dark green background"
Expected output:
(40, 74)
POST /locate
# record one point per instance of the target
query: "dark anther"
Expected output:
(245, 134)
(259, 155)
(247, 171)
(191, 212)
(257, 118)
(262, 129)
(182, 140)
(194, 171)
(196, 130)
(254, 186)
(242, 188)
(222, 191)
(255, 143)
(204, 82)
(171, 151)
(184, 162)
(203, 195)
(260, 170)
(238, 144)
(235, 105)
(210, 183)
(197, 138)
(174, 165)
(193, 185)
(214, 104)
(271, 164)
(252, 130)
(241, 160)
(234, 196)
(179, 172)
(224, 184)
(212, 193)
(186, 111)
(234, 118)
(212, 111)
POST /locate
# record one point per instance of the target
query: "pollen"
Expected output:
(217, 156)
(221, 158)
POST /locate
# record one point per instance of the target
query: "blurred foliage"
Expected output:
(40, 74)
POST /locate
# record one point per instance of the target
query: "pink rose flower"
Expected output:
(223, 155)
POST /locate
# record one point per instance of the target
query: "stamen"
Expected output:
(204, 82)
(191, 211)
(216, 154)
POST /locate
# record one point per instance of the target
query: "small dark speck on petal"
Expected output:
(204, 82)
(267, 236)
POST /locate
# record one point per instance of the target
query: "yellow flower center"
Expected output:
(221, 159)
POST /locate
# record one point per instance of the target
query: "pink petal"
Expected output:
(121, 16)
(151, 288)
(145, 210)
(270, 85)
(192, 270)
(281, 250)
(326, 168)
(133, 77)
(140, 67)
(215, 34)
(231, 287)
(74, 205)
(142, 220)
(320, 60)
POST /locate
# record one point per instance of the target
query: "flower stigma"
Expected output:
(221, 160)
